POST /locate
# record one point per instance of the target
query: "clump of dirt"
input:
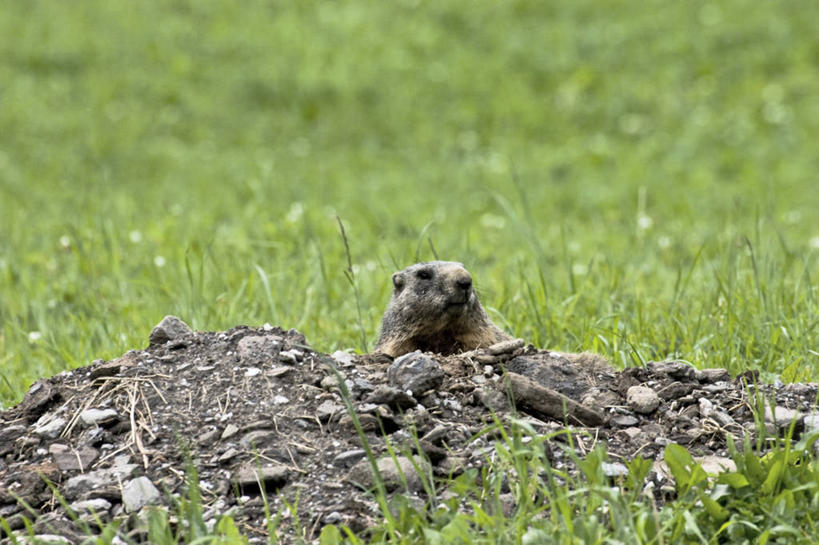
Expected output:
(257, 409)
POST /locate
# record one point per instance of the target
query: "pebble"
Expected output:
(96, 505)
(50, 429)
(416, 373)
(230, 431)
(642, 399)
(170, 328)
(250, 474)
(98, 417)
(139, 492)
(68, 459)
(348, 458)
(344, 359)
(328, 409)
(394, 472)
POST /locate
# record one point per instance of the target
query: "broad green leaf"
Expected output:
(330, 535)
(734, 480)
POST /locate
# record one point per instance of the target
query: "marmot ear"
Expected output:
(398, 281)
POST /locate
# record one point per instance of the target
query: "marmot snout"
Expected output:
(434, 308)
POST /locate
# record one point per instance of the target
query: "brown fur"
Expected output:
(434, 308)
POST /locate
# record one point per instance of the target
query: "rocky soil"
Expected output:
(258, 409)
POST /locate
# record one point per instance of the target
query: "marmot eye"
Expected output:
(424, 274)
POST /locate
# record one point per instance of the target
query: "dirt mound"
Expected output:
(253, 408)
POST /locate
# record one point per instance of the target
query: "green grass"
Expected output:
(634, 178)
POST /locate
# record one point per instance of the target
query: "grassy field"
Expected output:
(637, 179)
(634, 178)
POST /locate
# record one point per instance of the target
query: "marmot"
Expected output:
(435, 309)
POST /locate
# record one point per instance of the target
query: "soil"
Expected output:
(255, 409)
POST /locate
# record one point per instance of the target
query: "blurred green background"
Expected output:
(635, 178)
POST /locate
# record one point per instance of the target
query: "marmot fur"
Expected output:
(434, 308)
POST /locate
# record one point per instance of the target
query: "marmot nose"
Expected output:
(464, 283)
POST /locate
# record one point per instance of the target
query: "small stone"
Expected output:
(348, 458)
(68, 459)
(642, 399)
(257, 438)
(506, 347)
(716, 387)
(328, 409)
(8, 435)
(108, 478)
(139, 492)
(255, 349)
(624, 420)
(632, 432)
(95, 505)
(344, 359)
(291, 356)
(98, 417)
(712, 375)
(715, 464)
(51, 427)
(811, 422)
(416, 373)
(394, 473)
(250, 474)
(229, 454)
(280, 400)
(781, 415)
(169, 329)
(252, 371)
(393, 397)
(48, 539)
(706, 407)
(675, 390)
(615, 469)
(492, 399)
(209, 436)
(675, 369)
(230, 431)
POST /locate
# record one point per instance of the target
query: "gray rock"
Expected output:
(68, 459)
(8, 435)
(328, 409)
(624, 420)
(712, 375)
(811, 422)
(394, 473)
(705, 406)
(47, 539)
(348, 458)
(416, 373)
(230, 431)
(782, 416)
(506, 347)
(98, 417)
(393, 397)
(251, 474)
(675, 390)
(257, 438)
(49, 427)
(95, 505)
(100, 479)
(344, 359)
(170, 328)
(614, 469)
(256, 349)
(291, 356)
(678, 370)
(139, 492)
(642, 399)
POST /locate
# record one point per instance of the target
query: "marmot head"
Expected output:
(437, 292)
